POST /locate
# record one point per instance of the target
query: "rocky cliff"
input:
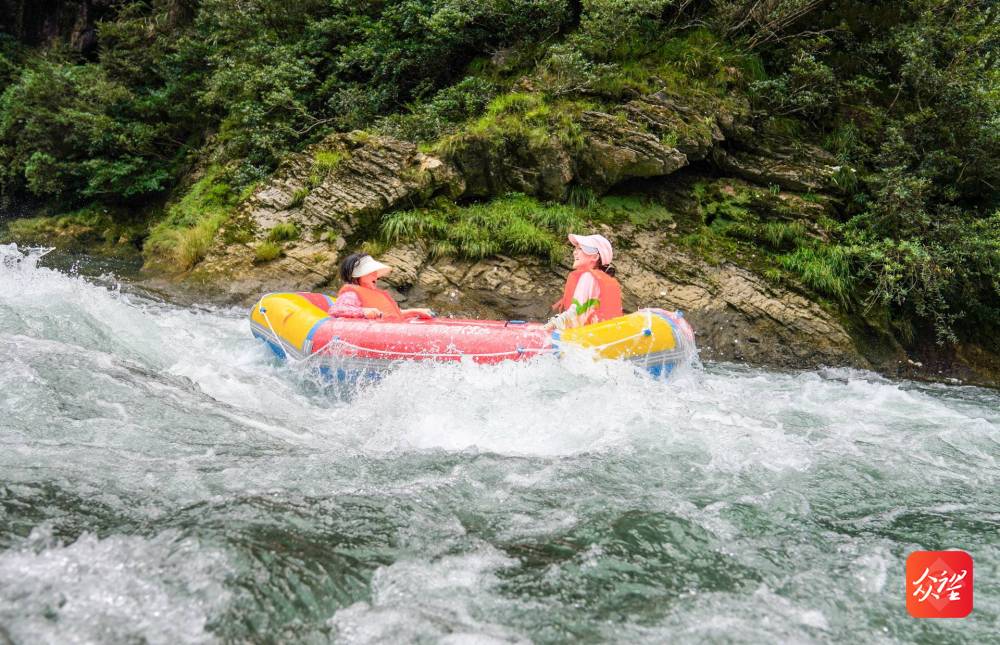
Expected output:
(330, 199)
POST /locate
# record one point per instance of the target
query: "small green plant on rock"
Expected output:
(182, 238)
(825, 269)
(267, 251)
(782, 235)
(299, 196)
(326, 161)
(283, 232)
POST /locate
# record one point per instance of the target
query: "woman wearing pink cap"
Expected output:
(592, 294)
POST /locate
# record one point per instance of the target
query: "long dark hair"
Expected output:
(347, 267)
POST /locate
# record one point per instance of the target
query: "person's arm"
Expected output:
(583, 307)
(417, 313)
(349, 306)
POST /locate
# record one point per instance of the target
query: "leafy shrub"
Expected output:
(616, 29)
(802, 88)
(443, 113)
(948, 278)
(567, 71)
(66, 134)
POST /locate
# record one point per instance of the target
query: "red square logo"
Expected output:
(939, 584)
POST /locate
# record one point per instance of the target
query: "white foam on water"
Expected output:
(119, 589)
(441, 599)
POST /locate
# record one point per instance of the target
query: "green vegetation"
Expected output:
(267, 251)
(326, 161)
(283, 232)
(243, 82)
(639, 211)
(520, 118)
(826, 269)
(181, 239)
(299, 196)
(94, 226)
(514, 224)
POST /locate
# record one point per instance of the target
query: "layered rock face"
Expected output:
(334, 205)
(327, 202)
(653, 136)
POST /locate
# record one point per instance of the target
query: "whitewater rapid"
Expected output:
(163, 478)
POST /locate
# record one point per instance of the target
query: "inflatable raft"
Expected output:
(296, 327)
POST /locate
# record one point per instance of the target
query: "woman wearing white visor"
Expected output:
(591, 294)
(360, 297)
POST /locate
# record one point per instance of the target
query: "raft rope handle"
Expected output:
(288, 356)
(263, 312)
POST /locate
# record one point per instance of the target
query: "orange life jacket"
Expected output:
(376, 298)
(610, 302)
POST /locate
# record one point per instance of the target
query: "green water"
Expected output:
(163, 480)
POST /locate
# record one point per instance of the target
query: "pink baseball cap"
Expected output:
(592, 244)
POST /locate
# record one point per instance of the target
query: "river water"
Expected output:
(164, 480)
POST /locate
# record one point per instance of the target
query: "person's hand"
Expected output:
(422, 313)
(371, 313)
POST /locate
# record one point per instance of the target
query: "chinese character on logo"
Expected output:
(939, 584)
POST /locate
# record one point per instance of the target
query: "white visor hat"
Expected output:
(593, 245)
(367, 265)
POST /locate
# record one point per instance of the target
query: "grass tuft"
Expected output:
(299, 196)
(514, 224)
(182, 238)
(267, 251)
(326, 161)
(825, 269)
(782, 235)
(282, 232)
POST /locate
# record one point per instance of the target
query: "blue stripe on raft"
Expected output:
(309, 336)
(329, 300)
(673, 328)
(276, 349)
